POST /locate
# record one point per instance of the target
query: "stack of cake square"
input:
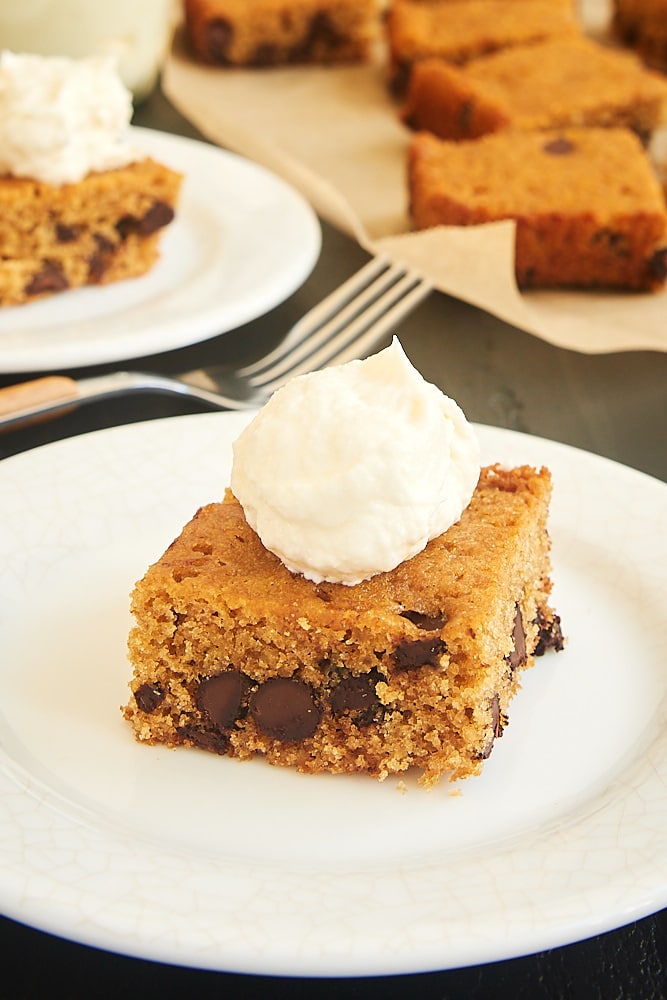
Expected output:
(549, 130)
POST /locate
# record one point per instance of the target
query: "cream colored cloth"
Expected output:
(335, 135)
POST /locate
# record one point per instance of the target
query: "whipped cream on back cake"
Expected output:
(79, 204)
(363, 598)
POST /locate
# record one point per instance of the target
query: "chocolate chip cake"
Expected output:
(547, 85)
(588, 206)
(282, 32)
(460, 30)
(101, 229)
(411, 668)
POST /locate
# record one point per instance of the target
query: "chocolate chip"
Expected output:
(616, 242)
(496, 719)
(285, 709)
(355, 694)
(205, 739)
(518, 656)
(160, 214)
(496, 727)
(98, 263)
(104, 244)
(409, 655)
(49, 278)
(550, 634)
(126, 225)
(559, 147)
(219, 37)
(657, 265)
(65, 233)
(429, 623)
(321, 37)
(148, 697)
(220, 697)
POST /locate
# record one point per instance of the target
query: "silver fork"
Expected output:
(345, 325)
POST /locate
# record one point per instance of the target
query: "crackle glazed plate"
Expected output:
(190, 858)
(242, 241)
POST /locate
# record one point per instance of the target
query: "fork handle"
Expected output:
(46, 391)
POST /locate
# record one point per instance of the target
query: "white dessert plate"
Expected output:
(190, 858)
(242, 241)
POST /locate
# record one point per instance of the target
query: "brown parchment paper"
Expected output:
(335, 135)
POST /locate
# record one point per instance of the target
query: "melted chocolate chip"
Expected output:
(158, 215)
(148, 697)
(496, 727)
(285, 709)
(321, 36)
(550, 634)
(103, 243)
(355, 694)
(219, 37)
(657, 265)
(615, 242)
(49, 278)
(205, 739)
(65, 233)
(98, 263)
(518, 656)
(496, 719)
(429, 623)
(410, 655)
(559, 147)
(220, 697)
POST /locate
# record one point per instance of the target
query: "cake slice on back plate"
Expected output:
(79, 205)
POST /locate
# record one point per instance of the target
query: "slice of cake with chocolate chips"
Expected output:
(573, 81)
(79, 205)
(104, 228)
(587, 202)
(413, 666)
(282, 32)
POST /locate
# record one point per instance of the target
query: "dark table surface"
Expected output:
(612, 404)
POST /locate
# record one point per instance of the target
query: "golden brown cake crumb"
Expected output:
(588, 207)
(413, 668)
(104, 228)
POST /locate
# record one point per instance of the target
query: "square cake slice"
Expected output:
(412, 668)
(588, 206)
(460, 30)
(103, 228)
(282, 32)
(548, 85)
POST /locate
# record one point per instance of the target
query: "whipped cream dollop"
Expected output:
(62, 118)
(349, 471)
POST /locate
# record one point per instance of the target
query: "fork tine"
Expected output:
(313, 328)
(355, 338)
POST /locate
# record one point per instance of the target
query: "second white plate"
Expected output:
(242, 241)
